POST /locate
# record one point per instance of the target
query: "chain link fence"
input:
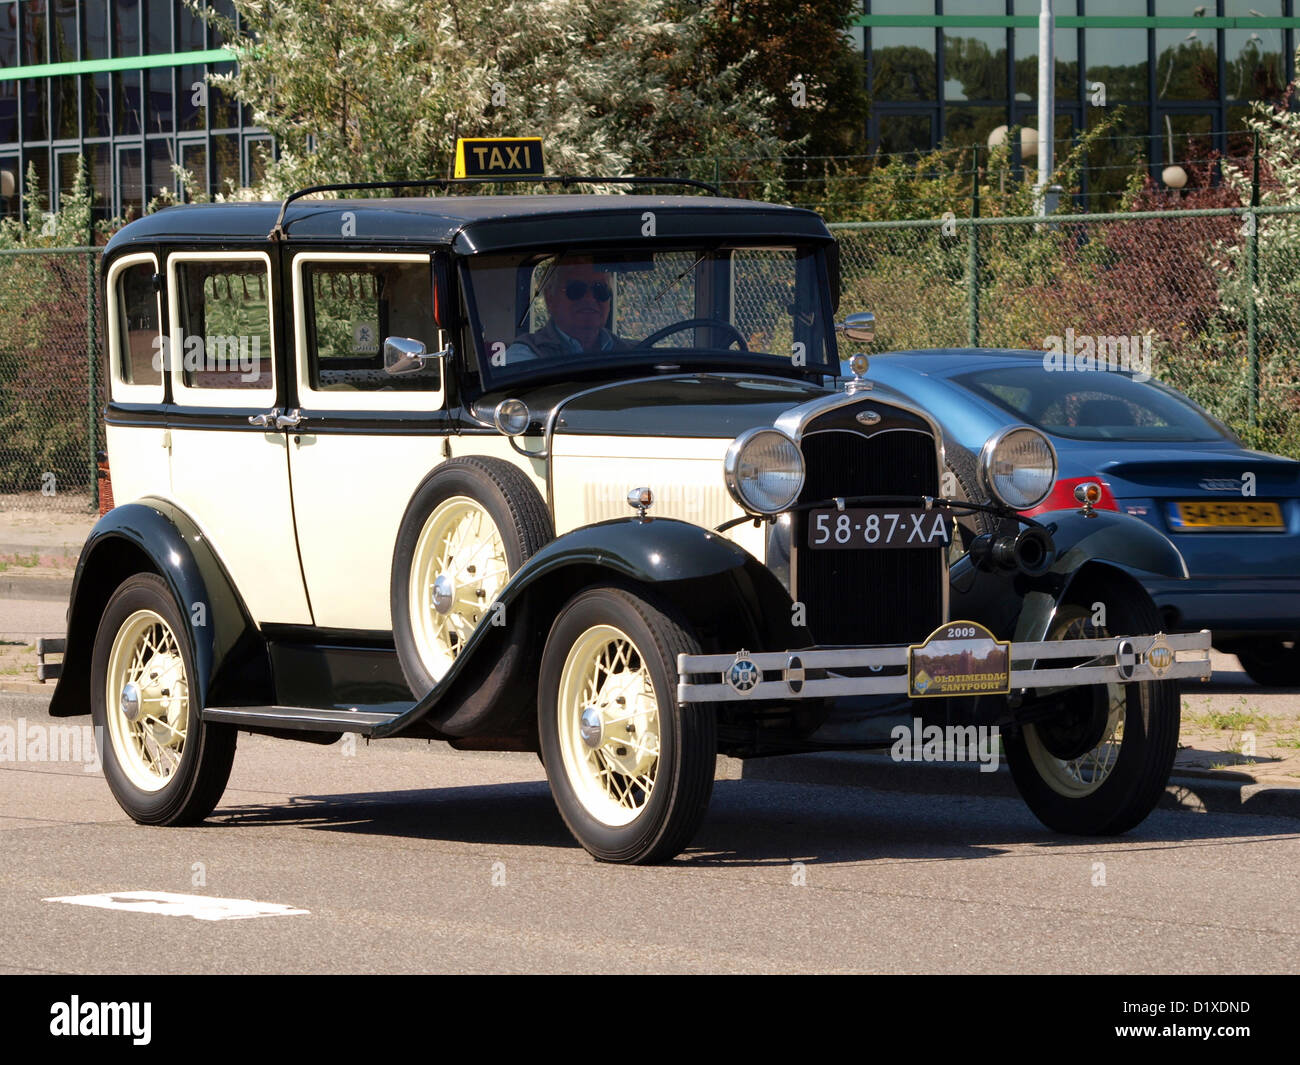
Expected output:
(1205, 300)
(51, 395)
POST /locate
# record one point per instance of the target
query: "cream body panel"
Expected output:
(235, 485)
(350, 493)
(593, 475)
(139, 461)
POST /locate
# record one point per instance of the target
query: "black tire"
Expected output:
(196, 781)
(524, 525)
(1271, 663)
(964, 467)
(1039, 754)
(663, 818)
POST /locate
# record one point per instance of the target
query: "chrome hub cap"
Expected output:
(592, 728)
(444, 593)
(130, 702)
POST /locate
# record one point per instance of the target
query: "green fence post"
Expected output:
(91, 362)
(1252, 277)
(973, 258)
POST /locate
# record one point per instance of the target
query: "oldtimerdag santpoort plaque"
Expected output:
(958, 658)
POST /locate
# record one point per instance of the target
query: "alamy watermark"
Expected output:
(919, 742)
(25, 742)
(216, 354)
(1083, 353)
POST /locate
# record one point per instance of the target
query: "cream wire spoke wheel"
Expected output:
(1094, 759)
(630, 768)
(147, 700)
(1081, 775)
(458, 569)
(609, 725)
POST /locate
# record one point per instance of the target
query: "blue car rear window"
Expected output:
(1092, 406)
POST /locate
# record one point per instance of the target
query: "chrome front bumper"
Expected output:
(785, 675)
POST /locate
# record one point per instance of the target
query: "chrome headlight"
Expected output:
(512, 416)
(1019, 466)
(764, 471)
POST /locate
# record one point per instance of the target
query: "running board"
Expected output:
(301, 718)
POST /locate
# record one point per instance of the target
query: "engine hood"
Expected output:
(682, 405)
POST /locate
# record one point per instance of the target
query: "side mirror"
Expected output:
(860, 327)
(404, 355)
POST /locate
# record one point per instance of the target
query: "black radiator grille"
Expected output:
(866, 597)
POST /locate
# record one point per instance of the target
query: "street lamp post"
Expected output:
(1046, 195)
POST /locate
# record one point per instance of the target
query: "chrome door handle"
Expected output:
(288, 420)
(265, 421)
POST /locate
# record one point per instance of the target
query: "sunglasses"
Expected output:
(600, 291)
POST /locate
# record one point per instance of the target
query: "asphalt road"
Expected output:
(416, 858)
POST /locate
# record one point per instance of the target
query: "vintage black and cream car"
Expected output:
(576, 474)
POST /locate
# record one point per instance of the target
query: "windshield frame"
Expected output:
(480, 378)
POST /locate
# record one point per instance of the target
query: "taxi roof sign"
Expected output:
(499, 157)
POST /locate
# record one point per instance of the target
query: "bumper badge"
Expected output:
(742, 674)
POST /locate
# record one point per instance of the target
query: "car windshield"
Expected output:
(1092, 406)
(534, 313)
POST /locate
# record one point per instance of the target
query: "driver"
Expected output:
(577, 295)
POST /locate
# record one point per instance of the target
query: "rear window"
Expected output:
(1092, 406)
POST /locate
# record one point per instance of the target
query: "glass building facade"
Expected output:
(122, 83)
(949, 72)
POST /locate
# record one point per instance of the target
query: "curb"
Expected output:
(25, 687)
(44, 589)
(1192, 791)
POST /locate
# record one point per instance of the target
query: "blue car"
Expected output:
(1233, 513)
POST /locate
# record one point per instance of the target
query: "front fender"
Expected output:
(731, 599)
(155, 536)
(1117, 539)
(1016, 607)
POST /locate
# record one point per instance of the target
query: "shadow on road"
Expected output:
(750, 823)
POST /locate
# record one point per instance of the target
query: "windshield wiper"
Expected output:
(678, 279)
(546, 277)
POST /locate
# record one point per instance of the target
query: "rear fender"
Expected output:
(153, 536)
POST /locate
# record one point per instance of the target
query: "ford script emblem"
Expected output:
(743, 675)
(869, 417)
(1221, 484)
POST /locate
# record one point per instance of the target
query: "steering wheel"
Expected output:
(693, 323)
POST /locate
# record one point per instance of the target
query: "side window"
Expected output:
(136, 329)
(225, 324)
(351, 308)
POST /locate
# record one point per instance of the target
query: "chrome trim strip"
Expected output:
(1195, 648)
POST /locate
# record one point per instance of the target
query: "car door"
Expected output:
(229, 461)
(365, 439)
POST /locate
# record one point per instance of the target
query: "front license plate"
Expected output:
(1240, 515)
(858, 527)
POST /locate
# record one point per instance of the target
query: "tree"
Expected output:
(380, 90)
(794, 43)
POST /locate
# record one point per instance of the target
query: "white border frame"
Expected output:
(431, 400)
(253, 398)
(120, 390)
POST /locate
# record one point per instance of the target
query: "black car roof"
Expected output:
(479, 223)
